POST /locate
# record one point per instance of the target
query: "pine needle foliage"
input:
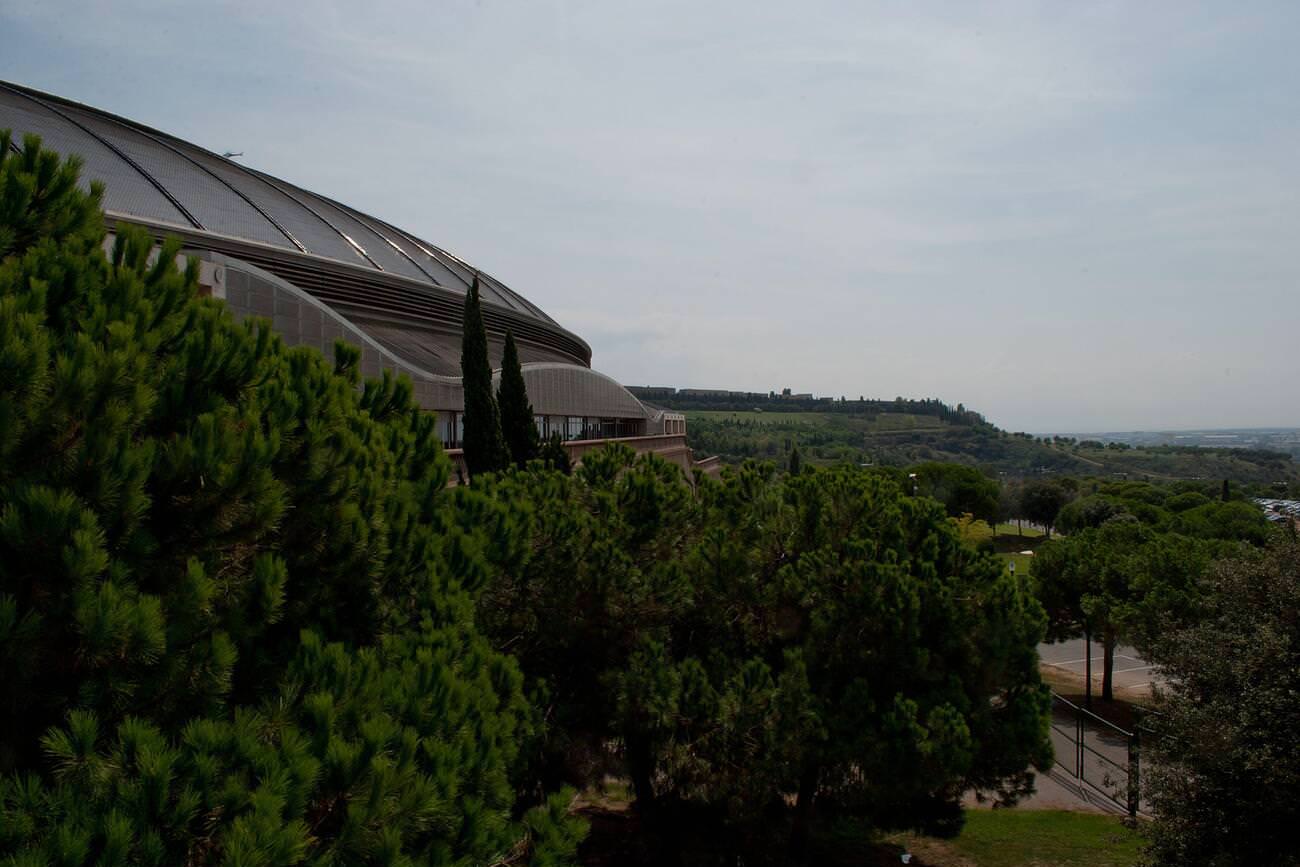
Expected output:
(766, 649)
(553, 455)
(236, 614)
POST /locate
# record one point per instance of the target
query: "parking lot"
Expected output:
(1278, 511)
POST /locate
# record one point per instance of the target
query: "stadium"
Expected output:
(321, 271)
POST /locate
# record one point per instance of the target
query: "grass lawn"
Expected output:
(1010, 529)
(1031, 838)
(990, 838)
(1008, 537)
(1022, 561)
(1008, 543)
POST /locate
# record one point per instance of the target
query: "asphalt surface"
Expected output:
(1105, 753)
(1132, 673)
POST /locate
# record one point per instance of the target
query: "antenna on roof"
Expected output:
(229, 154)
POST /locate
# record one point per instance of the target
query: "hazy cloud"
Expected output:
(1070, 216)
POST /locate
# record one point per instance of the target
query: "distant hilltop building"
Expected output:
(319, 271)
(653, 392)
(649, 392)
(709, 392)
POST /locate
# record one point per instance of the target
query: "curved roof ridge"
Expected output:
(163, 140)
(279, 186)
(334, 252)
(295, 192)
(114, 149)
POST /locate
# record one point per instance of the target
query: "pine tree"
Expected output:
(485, 450)
(554, 455)
(236, 615)
(729, 637)
(517, 424)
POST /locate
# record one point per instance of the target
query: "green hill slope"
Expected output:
(882, 436)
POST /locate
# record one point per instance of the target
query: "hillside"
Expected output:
(899, 433)
(1273, 439)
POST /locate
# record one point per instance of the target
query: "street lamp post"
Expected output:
(1087, 666)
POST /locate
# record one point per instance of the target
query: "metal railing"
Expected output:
(671, 447)
(1100, 754)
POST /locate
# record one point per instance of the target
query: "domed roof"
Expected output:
(156, 179)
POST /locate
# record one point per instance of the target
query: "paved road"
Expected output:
(1057, 790)
(1131, 671)
(1106, 756)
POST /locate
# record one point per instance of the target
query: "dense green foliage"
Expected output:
(794, 464)
(485, 449)
(1121, 581)
(553, 454)
(1224, 776)
(1134, 558)
(1041, 502)
(1185, 508)
(517, 425)
(820, 637)
(962, 490)
(236, 605)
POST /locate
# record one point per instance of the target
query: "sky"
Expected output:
(1069, 216)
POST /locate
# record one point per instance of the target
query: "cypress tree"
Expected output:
(485, 450)
(517, 425)
(796, 461)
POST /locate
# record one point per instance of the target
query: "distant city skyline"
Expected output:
(1066, 217)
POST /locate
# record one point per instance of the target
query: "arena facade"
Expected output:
(319, 271)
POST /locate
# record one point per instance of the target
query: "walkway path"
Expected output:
(1057, 789)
